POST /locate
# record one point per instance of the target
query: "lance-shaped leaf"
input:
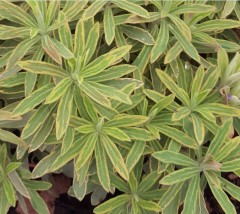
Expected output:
(180, 175)
(180, 93)
(138, 34)
(19, 53)
(175, 158)
(39, 67)
(102, 167)
(115, 156)
(9, 192)
(217, 25)
(161, 43)
(18, 184)
(42, 134)
(11, 138)
(59, 90)
(111, 92)
(36, 120)
(109, 25)
(64, 113)
(50, 49)
(192, 8)
(38, 203)
(79, 39)
(111, 204)
(94, 94)
(219, 138)
(33, 100)
(93, 9)
(220, 195)
(102, 62)
(198, 128)
(15, 13)
(230, 166)
(87, 150)
(178, 136)
(125, 120)
(116, 133)
(135, 154)
(190, 201)
(186, 45)
(149, 205)
(132, 8)
(62, 49)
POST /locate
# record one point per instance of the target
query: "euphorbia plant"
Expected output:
(135, 96)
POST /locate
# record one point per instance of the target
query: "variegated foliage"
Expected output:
(140, 96)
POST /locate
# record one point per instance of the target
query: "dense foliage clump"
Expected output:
(141, 96)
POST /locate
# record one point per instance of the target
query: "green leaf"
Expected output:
(198, 128)
(182, 26)
(42, 134)
(102, 167)
(115, 156)
(219, 138)
(90, 109)
(11, 138)
(178, 136)
(148, 181)
(220, 195)
(59, 90)
(64, 112)
(93, 9)
(217, 25)
(220, 109)
(94, 94)
(173, 53)
(228, 8)
(37, 185)
(18, 184)
(87, 150)
(116, 133)
(180, 93)
(36, 120)
(38, 203)
(39, 67)
(170, 194)
(68, 140)
(186, 45)
(109, 25)
(112, 204)
(180, 175)
(111, 73)
(64, 32)
(92, 40)
(15, 13)
(33, 100)
(102, 62)
(12, 167)
(138, 34)
(132, 8)
(181, 113)
(111, 92)
(192, 8)
(125, 120)
(79, 39)
(62, 49)
(149, 205)
(135, 154)
(161, 43)
(139, 134)
(175, 158)
(49, 47)
(230, 166)
(190, 201)
(9, 191)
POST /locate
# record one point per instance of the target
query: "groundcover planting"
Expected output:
(138, 97)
